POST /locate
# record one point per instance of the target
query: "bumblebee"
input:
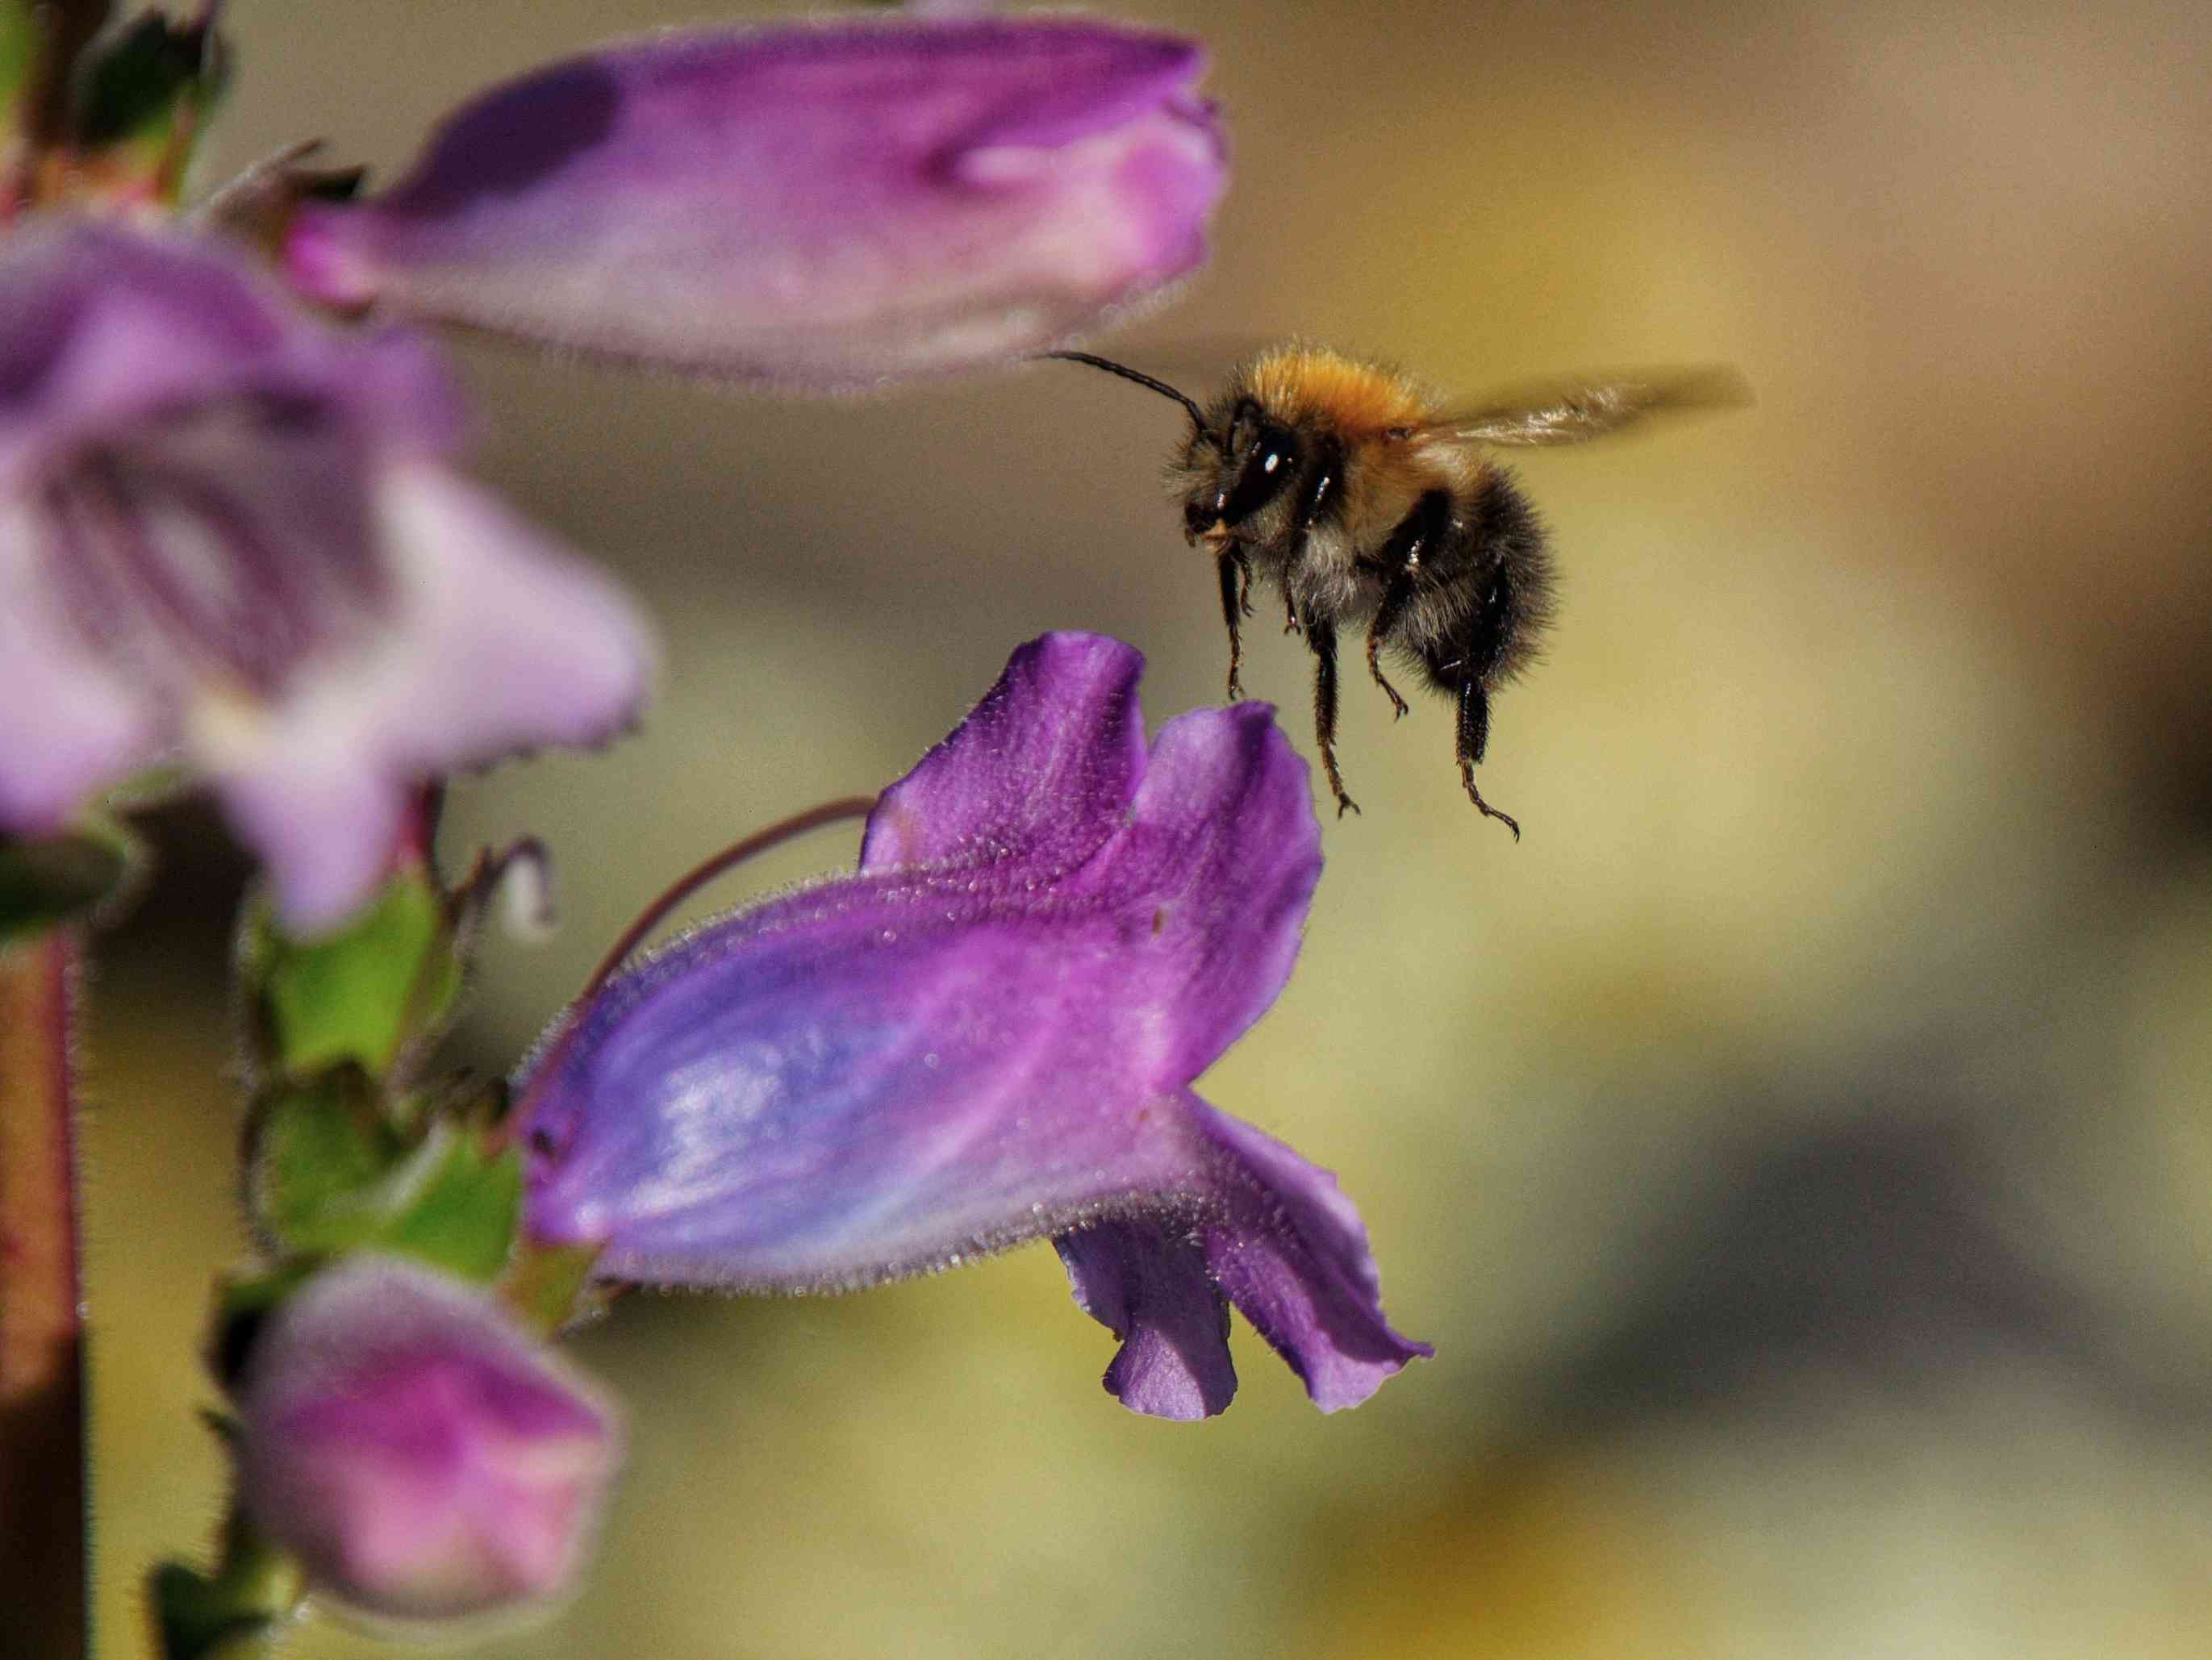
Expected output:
(1359, 497)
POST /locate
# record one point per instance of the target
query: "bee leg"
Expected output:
(1323, 639)
(1386, 619)
(1323, 487)
(1474, 739)
(1235, 588)
(1400, 561)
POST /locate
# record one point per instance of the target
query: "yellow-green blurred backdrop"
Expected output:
(1797, 1148)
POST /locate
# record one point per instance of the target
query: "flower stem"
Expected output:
(43, 1579)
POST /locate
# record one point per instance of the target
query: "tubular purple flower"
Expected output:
(228, 530)
(824, 204)
(987, 1034)
(420, 1454)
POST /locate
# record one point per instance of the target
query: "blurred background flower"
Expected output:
(1797, 1148)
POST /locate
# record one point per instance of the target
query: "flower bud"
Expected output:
(421, 1455)
(810, 205)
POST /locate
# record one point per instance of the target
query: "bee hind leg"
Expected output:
(1474, 739)
(1323, 639)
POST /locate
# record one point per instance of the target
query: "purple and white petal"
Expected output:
(69, 722)
(984, 1037)
(822, 205)
(227, 530)
(495, 640)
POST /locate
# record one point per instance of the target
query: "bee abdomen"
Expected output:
(1499, 590)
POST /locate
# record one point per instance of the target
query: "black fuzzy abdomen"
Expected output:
(1491, 591)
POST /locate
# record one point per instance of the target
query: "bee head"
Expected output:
(1240, 469)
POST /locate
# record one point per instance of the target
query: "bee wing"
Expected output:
(1577, 409)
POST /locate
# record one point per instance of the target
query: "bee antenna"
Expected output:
(1197, 415)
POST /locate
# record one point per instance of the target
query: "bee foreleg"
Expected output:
(1321, 501)
(1474, 739)
(1323, 638)
(1235, 588)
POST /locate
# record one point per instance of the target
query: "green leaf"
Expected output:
(64, 877)
(361, 995)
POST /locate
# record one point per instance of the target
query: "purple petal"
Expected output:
(68, 723)
(418, 1452)
(821, 204)
(1042, 771)
(1292, 1253)
(983, 1037)
(225, 529)
(107, 329)
(1149, 1287)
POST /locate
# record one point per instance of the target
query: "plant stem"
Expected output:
(43, 1550)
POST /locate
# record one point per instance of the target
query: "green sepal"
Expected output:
(146, 99)
(465, 1216)
(321, 1162)
(550, 1286)
(329, 1176)
(389, 979)
(64, 878)
(237, 1611)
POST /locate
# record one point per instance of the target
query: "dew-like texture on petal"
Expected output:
(820, 204)
(423, 1456)
(227, 532)
(985, 1035)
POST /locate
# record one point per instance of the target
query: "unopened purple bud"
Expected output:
(816, 205)
(420, 1454)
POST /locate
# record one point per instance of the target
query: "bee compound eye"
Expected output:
(1266, 470)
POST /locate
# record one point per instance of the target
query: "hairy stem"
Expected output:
(43, 1554)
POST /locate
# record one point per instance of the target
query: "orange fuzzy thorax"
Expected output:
(1359, 399)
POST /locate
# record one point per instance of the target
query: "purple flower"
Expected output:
(422, 1455)
(985, 1035)
(230, 531)
(819, 204)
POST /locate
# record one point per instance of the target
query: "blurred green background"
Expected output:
(1797, 1148)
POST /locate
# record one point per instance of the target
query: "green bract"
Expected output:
(389, 979)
